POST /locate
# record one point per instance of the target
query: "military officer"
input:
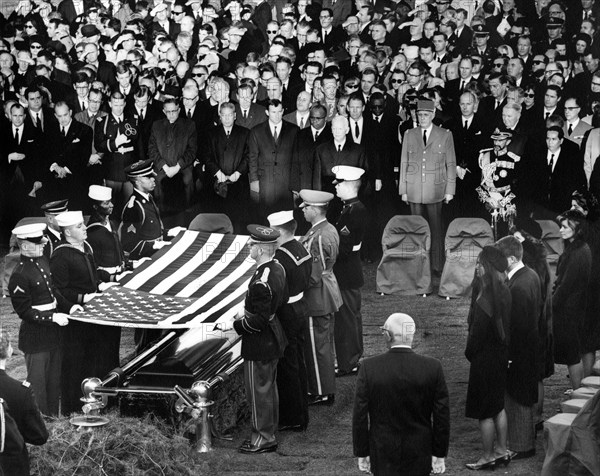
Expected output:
(291, 371)
(322, 296)
(261, 348)
(42, 312)
(18, 402)
(350, 226)
(141, 227)
(51, 209)
(498, 164)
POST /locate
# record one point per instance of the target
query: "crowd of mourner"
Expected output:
(320, 119)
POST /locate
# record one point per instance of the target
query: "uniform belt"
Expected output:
(111, 270)
(357, 247)
(45, 307)
(296, 298)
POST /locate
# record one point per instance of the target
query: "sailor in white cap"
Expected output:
(76, 279)
(42, 311)
(351, 226)
(323, 296)
(293, 315)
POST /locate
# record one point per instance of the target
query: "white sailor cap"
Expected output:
(158, 8)
(69, 218)
(346, 173)
(31, 232)
(280, 218)
(100, 193)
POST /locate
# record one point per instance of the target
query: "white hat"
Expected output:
(346, 172)
(280, 218)
(411, 52)
(100, 193)
(158, 8)
(33, 230)
(69, 218)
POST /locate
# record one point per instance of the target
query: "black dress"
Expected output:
(590, 341)
(488, 356)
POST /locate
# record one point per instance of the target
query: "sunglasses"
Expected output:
(498, 65)
(177, 13)
(352, 85)
(529, 95)
(197, 75)
(396, 81)
(36, 47)
(272, 31)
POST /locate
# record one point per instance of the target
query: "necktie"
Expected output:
(37, 119)
(245, 114)
(302, 123)
(546, 116)
(17, 136)
(497, 104)
(189, 113)
(551, 164)
(462, 85)
(424, 137)
(356, 130)
(339, 148)
(142, 114)
(275, 136)
(466, 125)
(570, 129)
(63, 132)
(316, 136)
(227, 134)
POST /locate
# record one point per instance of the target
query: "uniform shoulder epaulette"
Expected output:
(265, 275)
(131, 201)
(513, 156)
(26, 384)
(481, 151)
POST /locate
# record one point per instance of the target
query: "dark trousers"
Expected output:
(292, 381)
(320, 358)
(43, 372)
(432, 212)
(261, 392)
(348, 331)
(168, 190)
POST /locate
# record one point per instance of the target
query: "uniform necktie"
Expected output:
(570, 129)
(424, 137)
(356, 130)
(275, 136)
(302, 123)
(551, 164)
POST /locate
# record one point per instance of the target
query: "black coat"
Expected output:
(401, 412)
(327, 156)
(302, 163)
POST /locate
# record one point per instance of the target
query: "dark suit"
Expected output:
(72, 151)
(341, 10)
(303, 159)
(401, 413)
(256, 115)
(261, 17)
(47, 120)
(327, 156)
(270, 164)
(491, 113)
(464, 40)
(68, 12)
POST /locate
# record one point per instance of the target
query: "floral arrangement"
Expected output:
(499, 204)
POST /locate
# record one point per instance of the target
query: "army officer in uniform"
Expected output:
(261, 347)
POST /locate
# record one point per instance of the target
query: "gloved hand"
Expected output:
(60, 318)
(175, 231)
(158, 244)
(104, 286)
(364, 464)
(88, 297)
(75, 308)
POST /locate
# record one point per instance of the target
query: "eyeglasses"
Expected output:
(571, 108)
(475, 61)
(272, 31)
(35, 47)
(529, 95)
(29, 26)
(197, 75)
(352, 86)
(414, 75)
(538, 62)
(395, 81)
(498, 65)
(190, 99)
(177, 13)
(94, 101)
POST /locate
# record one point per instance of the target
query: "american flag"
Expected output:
(201, 278)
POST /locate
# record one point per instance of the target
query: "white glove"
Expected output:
(377, 185)
(158, 244)
(60, 318)
(136, 263)
(224, 326)
(75, 308)
(255, 186)
(405, 197)
(220, 176)
(438, 465)
(460, 172)
(15, 157)
(235, 176)
(88, 297)
(104, 286)
(118, 277)
(175, 231)
(364, 464)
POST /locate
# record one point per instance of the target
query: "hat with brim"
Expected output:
(55, 207)
(33, 232)
(315, 198)
(67, 219)
(501, 135)
(158, 8)
(262, 234)
(346, 173)
(554, 22)
(480, 30)
(425, 105)
(280, 218)
(141, 168)
(100, 193)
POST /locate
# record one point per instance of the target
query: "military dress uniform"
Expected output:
(323, 299)
(350, 226)
(141, 225)
(20, 404)
(267, 291)
(35, 301)
(74, 274)
(291, 371)
(54, 238)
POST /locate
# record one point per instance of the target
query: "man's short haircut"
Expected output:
(557, 129)
(319, 107)
(510, 246)
(274, 103)
(226, 105)
(356, 97)
(514, 106)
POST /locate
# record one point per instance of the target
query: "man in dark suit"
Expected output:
(522, 375)
(227, 168)
(464, 34)
(247, 113)
(261, 16)
(557, 173)
(39, 116)
(270, 149)
(70, 150)
(490, 107)
(331, 36)
(401, 418)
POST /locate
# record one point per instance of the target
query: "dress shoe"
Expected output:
(321, 399)
(253, 449)
(503, 460)
(478, 466)
(340, 373)
(296, 428)
(514, 455)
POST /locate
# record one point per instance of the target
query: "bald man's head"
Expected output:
(399, 329)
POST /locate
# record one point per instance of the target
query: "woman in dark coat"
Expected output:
(487, 350)
(570, 293)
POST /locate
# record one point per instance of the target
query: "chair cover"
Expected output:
(211, 223)
(592, 381)
(574, 405)
(404, 267)
(584, 392)
(465, 239)
(553, 243)
(12, 257)
(572, 442)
